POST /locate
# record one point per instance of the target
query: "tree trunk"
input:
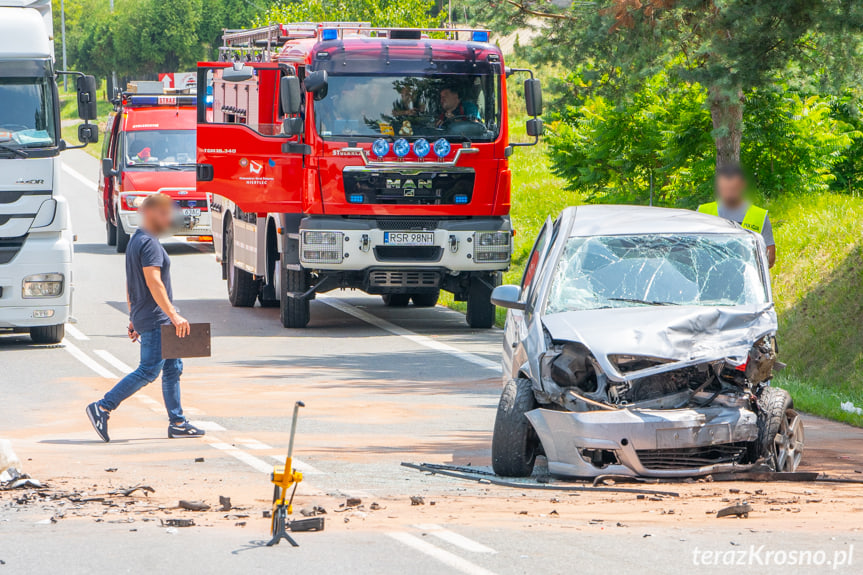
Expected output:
(726, 111)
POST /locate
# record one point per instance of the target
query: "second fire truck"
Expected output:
(339, 155)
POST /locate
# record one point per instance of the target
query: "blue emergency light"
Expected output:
(356, 198)
(401, 147)
(441, 148)
(380, 147)
(330, 34)
(480, 36)
(422, 148)
(460, 199)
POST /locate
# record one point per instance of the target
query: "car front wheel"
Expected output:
(514, 445)
(780, 430)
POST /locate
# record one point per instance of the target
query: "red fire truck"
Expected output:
(149, 147)
(339, 155)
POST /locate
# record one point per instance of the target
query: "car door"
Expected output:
(515, 329)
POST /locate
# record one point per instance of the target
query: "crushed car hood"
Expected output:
(681, 334)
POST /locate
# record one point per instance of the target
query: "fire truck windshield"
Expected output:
(461, 107)
(27, 113)
(148, 149)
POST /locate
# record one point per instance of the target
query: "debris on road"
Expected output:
(417, 500)
(127, 492)
(311, 524)
(199, 460)
(110, 470)
(225, 502)
(8, 459)
(376, 506)
(193, 505)
(353, 502)
(177, 522)
(313, 511)
(739, 510)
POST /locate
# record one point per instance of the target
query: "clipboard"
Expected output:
(196, 344)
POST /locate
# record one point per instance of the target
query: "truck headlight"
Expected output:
(489, 247)
(322, 247)
(42, 285)
(132, 201)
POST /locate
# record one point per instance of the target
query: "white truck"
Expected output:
(35, 229)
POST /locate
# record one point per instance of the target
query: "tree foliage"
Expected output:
(396, 13)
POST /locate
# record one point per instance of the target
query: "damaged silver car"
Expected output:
(642, 342)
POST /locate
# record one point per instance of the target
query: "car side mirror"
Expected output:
(533, 97)
(238, 72)
(507, 296)
(108, 167)
(289, 92)
(86, 88)
(316, 83)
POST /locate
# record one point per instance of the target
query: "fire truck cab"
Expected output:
(149, 147)
(339, 155)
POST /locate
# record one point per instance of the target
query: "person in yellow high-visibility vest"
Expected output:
(731, 204)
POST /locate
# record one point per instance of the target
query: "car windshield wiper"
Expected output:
(641, 301)
(17, 151)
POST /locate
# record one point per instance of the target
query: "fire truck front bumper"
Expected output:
(198, 225)
(481, 244)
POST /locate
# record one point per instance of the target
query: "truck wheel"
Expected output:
(122, 238)
(780, 430)
(396, 299)
(480, 310)
(426, 299)
(48, 333)
(514, 445)
(294, 312)
(242, 287)
(111, 234)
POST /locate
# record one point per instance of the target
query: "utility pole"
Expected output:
(63, 35)
(114, 89)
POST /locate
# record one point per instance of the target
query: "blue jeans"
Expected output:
(148, 370)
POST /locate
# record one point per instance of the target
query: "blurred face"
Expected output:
(730, 190)
(158, 219)
(449, 100)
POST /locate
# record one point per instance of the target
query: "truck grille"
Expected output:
(403, 278)
(407, 224)
(408, 253)
(687, 457)
(9, 248)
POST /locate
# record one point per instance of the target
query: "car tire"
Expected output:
(426, 299)
(110, 233)
(295, 313)
(48, 333)
(780, 430)
(242, 286)
(122, 238)
(480, 310)
(514, 445)
(396, 299)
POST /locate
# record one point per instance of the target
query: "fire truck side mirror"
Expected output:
(535, 128)
(289, 92)
(86, 88)
(316, 84)
(533, 97)
(237, 73)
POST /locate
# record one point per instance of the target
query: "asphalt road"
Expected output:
(381, 386)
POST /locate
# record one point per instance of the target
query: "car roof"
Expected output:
(610, 220)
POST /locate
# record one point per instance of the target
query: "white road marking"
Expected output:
(80, 177)
(114, 361)
(449, 559)
(299, 466)
(250, 460)
(76, 352)
(423, 340)
(252, 444)
(455, 538)
(76, 333)
(207, 425)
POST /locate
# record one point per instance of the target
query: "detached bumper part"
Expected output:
(646, 443)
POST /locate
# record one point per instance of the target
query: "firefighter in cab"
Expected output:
(731, 204)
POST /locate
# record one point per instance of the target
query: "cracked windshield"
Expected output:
(455, 107)
(627, 271)
(160, 148)
(27, 115)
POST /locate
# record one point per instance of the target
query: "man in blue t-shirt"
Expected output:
(149, 295)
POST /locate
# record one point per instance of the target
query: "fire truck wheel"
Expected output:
(48, 333)
(480, 310)
(122, 238)
(242, 287)
(294, 311)
(426, 299)
(396, 299)
(111, 234)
